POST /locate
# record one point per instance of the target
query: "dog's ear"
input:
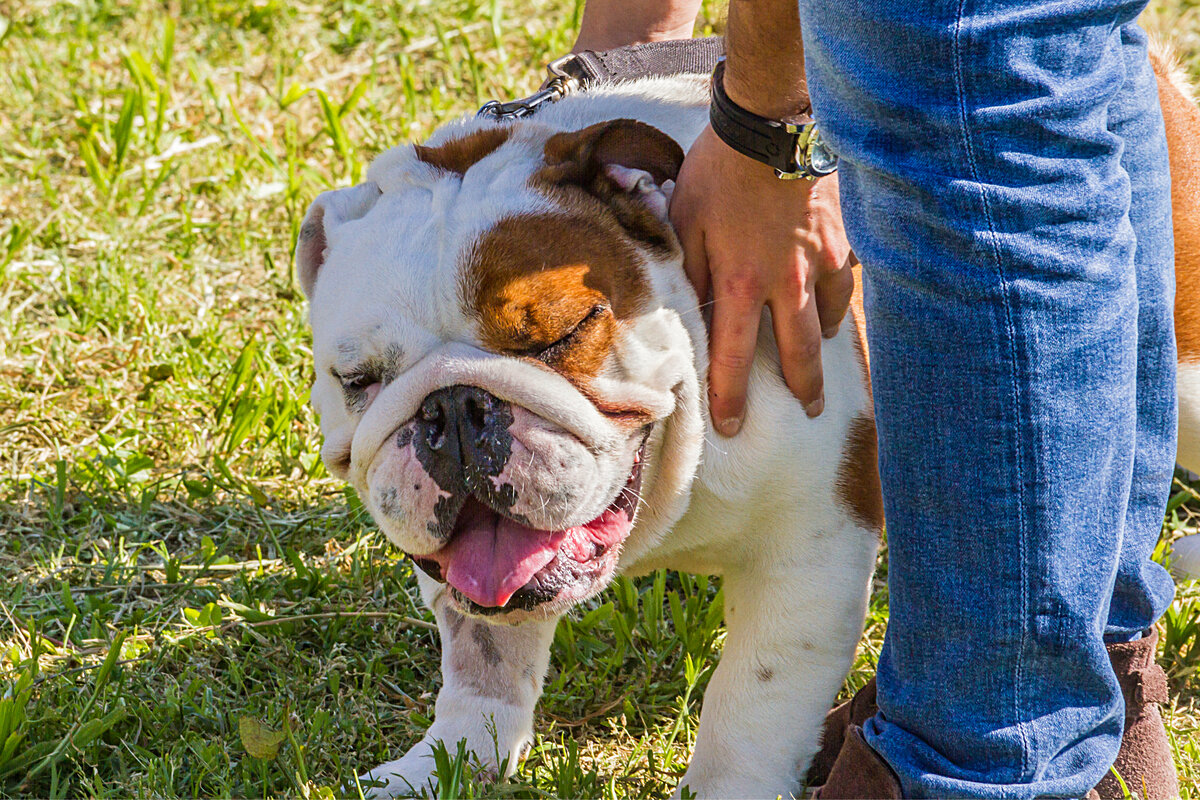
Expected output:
(326, 213)
(627, 164)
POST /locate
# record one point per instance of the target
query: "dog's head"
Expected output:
(505, 351)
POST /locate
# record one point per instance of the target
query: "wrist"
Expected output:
(793, 148)
(760, 92)
(764, 67)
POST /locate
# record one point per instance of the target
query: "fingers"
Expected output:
(833, 291)
(765, 240)
(737, 309)
(798, 336)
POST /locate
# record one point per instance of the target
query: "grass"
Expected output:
(189, 604)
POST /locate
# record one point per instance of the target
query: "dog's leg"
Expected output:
(794, 621)
(491, 680)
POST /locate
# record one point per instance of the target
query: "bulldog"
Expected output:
(510, 370)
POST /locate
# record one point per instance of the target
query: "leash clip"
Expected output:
(564, 77)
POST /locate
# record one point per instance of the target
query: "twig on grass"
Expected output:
(225, 627)
(86, 668)
(585, 719)
(108, 587)
(1188, 488)
(417, 623)
(240, 566)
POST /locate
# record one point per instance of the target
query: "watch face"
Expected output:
(820, 157)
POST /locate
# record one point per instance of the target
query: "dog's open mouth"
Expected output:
(494, 563)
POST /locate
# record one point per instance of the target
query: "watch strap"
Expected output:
(771, 142)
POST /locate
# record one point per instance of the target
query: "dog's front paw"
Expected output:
(413, 775)
(416, 773)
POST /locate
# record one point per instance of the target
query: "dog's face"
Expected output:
(500, 346)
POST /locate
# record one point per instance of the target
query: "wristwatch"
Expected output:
(793, 147)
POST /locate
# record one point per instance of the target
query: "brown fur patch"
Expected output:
(858, 318)
(459, 155)
(575, 166)
(858, 485)
(1183, 126)
(858, 488)
(579, 156)
(484, 678)
(487, 644)
(553, 287)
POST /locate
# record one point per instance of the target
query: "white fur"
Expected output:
(1185, 556)
(760, 510)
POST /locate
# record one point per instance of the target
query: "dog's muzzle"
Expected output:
(494, 559)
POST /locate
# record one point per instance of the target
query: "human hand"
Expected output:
(756, 240)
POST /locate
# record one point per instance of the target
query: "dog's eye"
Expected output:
(357, 383)
(356, 388)
(555, 347)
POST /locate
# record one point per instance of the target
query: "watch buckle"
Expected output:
(808, 139)
(797, 157)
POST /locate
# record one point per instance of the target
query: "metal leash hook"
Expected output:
(565, 77)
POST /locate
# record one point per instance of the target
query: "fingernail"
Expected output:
(830, 332)
(730, 426)
(815, 408)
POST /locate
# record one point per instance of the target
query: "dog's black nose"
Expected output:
(437, 422)
(457, 417)
(462, 435)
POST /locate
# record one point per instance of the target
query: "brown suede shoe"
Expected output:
(859, 773)
(855, 711)
(1145, 762)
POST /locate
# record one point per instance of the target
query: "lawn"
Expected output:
(189, 604)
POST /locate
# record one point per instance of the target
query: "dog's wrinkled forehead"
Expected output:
(523, 241)
(398, 264)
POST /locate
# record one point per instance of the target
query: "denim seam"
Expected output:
(1014, 389)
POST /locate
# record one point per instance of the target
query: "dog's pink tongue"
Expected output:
(491, 557)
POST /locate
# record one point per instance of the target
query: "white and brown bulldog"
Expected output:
(510, 370)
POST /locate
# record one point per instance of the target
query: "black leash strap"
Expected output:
(581, 71)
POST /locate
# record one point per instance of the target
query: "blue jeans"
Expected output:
(1004, 182)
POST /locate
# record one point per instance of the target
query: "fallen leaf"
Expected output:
(259, 740)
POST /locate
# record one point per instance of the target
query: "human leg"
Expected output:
(1143, 589)
(986, 197)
